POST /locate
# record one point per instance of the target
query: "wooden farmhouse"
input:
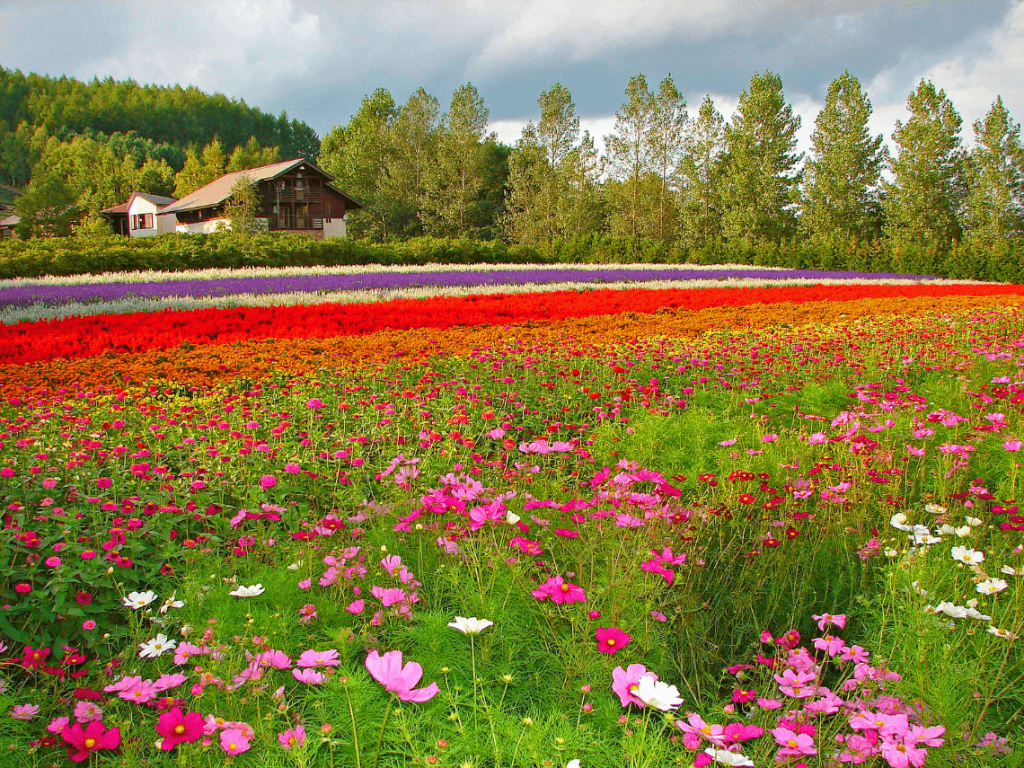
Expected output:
(294, 196)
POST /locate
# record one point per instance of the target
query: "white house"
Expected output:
(138, 216)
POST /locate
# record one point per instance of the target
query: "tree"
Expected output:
(252, 155)
(923, 204)
(841, 191)
(761, 174)
(667, 143)
(47, 209)
(414, 143)
(552, 189)
(189, 178)
(359, 155)
(243, 208)
(995, 198)
(454, 182)
(700, 177)
(630, 162)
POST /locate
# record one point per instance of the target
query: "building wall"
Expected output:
(163, 224)
(201, 227)
(334, 228)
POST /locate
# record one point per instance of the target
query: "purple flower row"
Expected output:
(24, 295)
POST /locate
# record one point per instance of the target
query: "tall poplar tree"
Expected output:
(414, 140)
(924, 203)
(700, 177)
(358, 155)
(454, 185)
(552, 181)
(841, 195)
(995, 200)
(629, 161)
(761, 174)
(667, 142)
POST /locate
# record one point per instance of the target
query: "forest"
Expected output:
(677, 177)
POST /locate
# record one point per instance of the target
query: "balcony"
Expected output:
(275, 223)
(296, 195)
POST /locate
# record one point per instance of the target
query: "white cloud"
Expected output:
(232, 46)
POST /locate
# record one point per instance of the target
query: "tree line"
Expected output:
(693, 181)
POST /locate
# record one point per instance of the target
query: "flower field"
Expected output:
(631, 516)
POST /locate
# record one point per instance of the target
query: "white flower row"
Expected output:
(34, 312)
(358, 269)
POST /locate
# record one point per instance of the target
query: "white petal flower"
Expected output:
(899, 521)
(151, 649)
(137, 600)
(725, 757)
(1003, 633)
(1009, 570)
(171, 602)
(973, 521)
(991, 586)
(656, 694)
(512, 518)
(253, 591)
(967, 556)
(573, 764)
(470, 626)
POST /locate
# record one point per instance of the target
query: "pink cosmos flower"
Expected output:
(611, 639)
(560, 591)
(233, 741)
(903, 754)
(798, 685)
(308, 676)
(24, 711)
(140, 693)
(625, 683)
(793, 744)
(833, 646)
(734, 733)
(356, 607)
(177, 728)
(695, 730)
(825, 619)
(87, 711)
(267, 482)
(928, 735)
(398, 679)
(166, 682)
(84, 740)
(58, 724)
(856, 654)
(292, 737)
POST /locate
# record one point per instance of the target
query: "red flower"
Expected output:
(610, 639)
(177, 728)
(33, 658)
(83, 741)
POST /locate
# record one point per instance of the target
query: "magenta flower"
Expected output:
(87, 711)
(825, 619)
(626, 681)
(84, 740)
(560, 591)
(267, 482)
(611, 639)
(398, 679)
(178, 728)
(292, 737)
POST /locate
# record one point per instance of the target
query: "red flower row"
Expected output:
(88, 336)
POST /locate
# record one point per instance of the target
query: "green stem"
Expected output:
(380, 738)
(355, 733)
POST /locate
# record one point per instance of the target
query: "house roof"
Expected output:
(10, 221)
(216, 192)
(157, 200)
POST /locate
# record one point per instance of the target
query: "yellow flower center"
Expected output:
(565, 587)
(232, 746)
(791, 744)
(610, 641)
(90, 743)
(179, 729)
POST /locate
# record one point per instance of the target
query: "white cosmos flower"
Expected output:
(991, 586)
(725, 757)
(899, 521)
(1003, 633)
(1009, 570)
(573, 764)
(470, 626)
(253, 591)
(935, 509)
(967, 556)
(973, 521)
(137, 600)
(171, 602)
(964, 531)
(151, 649)
(656, 694)
(512, 518)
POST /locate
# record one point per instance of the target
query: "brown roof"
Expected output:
(216, 192)
(157, 200)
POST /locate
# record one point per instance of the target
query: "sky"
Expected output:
(317, 59)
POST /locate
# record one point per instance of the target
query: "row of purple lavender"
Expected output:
(56, 295)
